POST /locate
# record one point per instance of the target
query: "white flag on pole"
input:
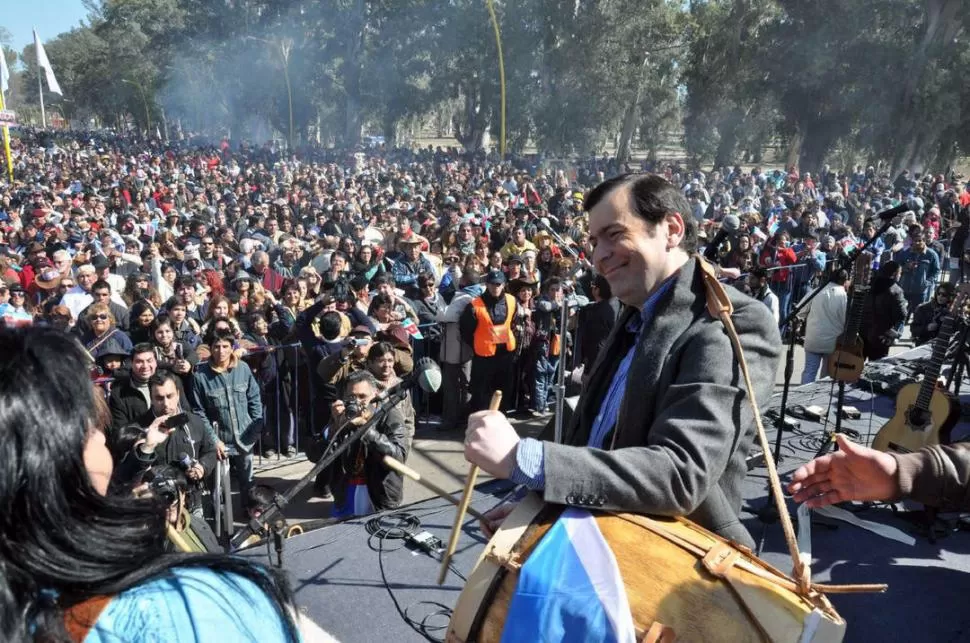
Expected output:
(43, 63)
(4, 73)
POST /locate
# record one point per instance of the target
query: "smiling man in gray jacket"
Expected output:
(662, 426)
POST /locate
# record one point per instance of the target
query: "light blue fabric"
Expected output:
(570, 589)
(197, 604)
(610, 407)
(528, 464)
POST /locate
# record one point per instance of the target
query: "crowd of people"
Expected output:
(247, 278)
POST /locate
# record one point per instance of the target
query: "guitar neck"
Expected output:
(853, 321)
(932, 374)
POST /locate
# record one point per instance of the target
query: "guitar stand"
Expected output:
(829, 437)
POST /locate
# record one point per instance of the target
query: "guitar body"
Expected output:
(846, 362)
(911, 428)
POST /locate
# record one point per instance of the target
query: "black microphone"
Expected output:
(729, 225)
(891, 213)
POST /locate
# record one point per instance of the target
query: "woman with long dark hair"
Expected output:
(82, 565)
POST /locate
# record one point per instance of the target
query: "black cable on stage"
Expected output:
(401, 526)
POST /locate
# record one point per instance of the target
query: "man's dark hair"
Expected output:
(839, 276)
(161, 377)
(221, 335)
(653, 199)
(604, 286)
(549, 284)
(184, 280)
(383, 279)
(101, 284)
(330, 323)
(143, 347)
(379, 350)
(759, 272)
(356, 377)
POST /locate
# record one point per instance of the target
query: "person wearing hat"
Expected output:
(486, 326)
(413, 262)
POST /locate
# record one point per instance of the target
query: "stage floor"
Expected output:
(348, 580)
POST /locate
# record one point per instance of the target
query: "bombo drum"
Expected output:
(682, 582)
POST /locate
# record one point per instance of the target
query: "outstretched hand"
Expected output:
(854, 472)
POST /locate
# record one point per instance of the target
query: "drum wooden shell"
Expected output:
(668, 581)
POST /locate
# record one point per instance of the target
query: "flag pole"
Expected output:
(40, 89)
(6, 137)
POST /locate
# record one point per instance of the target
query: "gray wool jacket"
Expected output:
(685, 426)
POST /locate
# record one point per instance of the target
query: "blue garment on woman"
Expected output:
(195, 604)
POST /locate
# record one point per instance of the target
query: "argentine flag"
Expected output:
(570, 588)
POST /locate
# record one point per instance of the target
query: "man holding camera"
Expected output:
(361, 482)
(171, 437)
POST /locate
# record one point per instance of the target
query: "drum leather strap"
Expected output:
(719, 307)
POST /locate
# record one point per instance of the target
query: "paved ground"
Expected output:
(436, 455)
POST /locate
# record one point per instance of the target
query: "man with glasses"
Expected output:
(207, 253)
(928, 317)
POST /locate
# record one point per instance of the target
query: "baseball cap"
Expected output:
(495, 277)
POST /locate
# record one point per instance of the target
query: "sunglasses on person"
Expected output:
(99, 317)
(18, 293)
(66, 285)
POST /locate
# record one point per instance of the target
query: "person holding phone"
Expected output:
(167, 435)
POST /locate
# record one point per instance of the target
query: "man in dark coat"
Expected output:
(884, 311)
(664, 423)
(129, 399)
(188, 446)
(596, 321)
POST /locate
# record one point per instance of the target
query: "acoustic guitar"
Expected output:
(925, 412)
(846, 362)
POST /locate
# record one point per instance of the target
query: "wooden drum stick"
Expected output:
(408, 472)
(463, 505)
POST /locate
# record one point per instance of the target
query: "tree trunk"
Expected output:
(726, 146)
(623, 146)
(352, 72)
(941, 26)
(795, 148)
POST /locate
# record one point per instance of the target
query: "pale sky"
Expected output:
(50, 17)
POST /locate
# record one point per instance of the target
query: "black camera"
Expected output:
(353, 409)
(165, 489)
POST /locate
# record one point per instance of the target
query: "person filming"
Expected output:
(171, 436)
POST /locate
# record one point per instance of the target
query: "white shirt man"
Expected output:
(79, 297)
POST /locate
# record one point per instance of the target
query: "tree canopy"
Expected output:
(816, 82)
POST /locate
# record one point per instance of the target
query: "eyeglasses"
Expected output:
(18, 294)
(100, 317)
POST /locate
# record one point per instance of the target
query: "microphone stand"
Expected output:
(255, 525)
(560, 388)
(769, 513)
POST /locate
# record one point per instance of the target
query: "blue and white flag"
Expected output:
(570, 588)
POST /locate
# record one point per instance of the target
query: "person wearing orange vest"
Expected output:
(486, 326)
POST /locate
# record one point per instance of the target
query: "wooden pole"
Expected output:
(463, 505)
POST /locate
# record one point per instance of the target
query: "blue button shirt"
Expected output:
(530, 454)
